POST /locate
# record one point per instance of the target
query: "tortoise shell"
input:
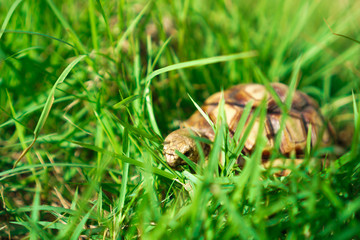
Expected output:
(304, 111)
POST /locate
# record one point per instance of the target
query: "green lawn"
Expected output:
(89, 90)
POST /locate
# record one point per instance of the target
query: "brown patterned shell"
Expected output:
(304, 111)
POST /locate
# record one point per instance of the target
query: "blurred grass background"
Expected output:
(96, 168)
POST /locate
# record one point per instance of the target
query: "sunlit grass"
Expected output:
(89, 90)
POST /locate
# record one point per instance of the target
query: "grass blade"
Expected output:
(8, 16)
(207, 118)
(19, 53)
(201, 62)
(51, 97)
(80, 227)
(35, 213)
(187, 160)
(340, 35)
(48, 105)
(124, 179)
(66, 26)
(94, 32)
(237, 145)
(106, 21)
(40, 34)
(131, 27)
(293, 82)
(356, 138)
(126, 101)
(156, 59)
(128, 160)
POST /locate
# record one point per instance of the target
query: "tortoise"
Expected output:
(304, 111)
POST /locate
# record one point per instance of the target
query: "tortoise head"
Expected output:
(182, 141)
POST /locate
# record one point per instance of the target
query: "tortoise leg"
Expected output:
(285, 163)
(276, 163)
(282, 163)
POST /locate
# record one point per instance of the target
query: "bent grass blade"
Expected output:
(49, 102)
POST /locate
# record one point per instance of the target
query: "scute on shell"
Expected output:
(303, 113)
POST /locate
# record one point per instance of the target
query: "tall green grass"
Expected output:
(89, 89)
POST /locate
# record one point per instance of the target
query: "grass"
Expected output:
(89, 89)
